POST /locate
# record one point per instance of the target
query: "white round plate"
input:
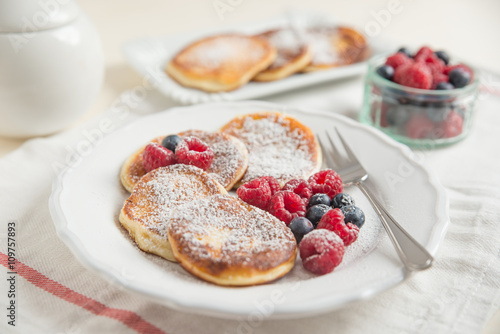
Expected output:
(87, 198)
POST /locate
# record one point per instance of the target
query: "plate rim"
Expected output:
(323, 305)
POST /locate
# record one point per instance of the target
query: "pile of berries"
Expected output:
(439, 120)
(425, 69)
(422, 116)
(173, 150)
(323, 219)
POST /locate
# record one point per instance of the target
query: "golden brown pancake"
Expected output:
(147, 213)
(222, 240)
(278, 145)
(292, 57)
(229, 164)
(335, 46)
(221, 63)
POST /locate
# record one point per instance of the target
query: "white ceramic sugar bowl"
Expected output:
(51, 66)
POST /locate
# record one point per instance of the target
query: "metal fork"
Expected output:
(413, 255)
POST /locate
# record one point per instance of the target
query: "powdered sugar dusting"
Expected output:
(229, 157)
(323, 239)
(215, 52)
(275, 149)
(224, 231)
(368, 237)
(163, 190)
(226, 163)
(287, 44)
(322, 42)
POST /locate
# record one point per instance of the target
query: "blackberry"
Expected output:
(341, 200)
(385, 71)
(319, 199)
(314, 213)
(459, 78)
(171, 142)
(443, 56)
(300, 226)
(444, 86)
(353, 215)
(405, 51)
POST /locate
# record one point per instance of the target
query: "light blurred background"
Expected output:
(466, 29)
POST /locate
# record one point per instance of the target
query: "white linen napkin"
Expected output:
(56, 294)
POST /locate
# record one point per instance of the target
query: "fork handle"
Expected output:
(413, 255)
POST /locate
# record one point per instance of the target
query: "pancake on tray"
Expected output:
(221, 63)
(293, 55)
(335, 46)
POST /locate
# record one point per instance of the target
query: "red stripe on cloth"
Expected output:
(129, 318)
(489, 90)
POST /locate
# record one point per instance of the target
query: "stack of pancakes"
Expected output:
(185, 214)
(225, 62)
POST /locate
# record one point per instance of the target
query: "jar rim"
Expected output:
(376, 61)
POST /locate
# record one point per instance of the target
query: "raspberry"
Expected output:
(326, 182)
(333, 220)
(256, 193)
(192, 151)
(452, 126)
(301, 188)
(415, 75)
(437, 78)
(423, 53)
(155, 156)
(435, 64)
(464, 67)
(321, 251)
(397, 60)
(286, 205)
(274, 185)
(419, 127)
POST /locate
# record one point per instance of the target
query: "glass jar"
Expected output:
(419, 118)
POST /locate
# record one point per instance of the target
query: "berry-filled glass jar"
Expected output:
(420, 118)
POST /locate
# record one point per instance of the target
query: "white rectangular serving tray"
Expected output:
(149, 55)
